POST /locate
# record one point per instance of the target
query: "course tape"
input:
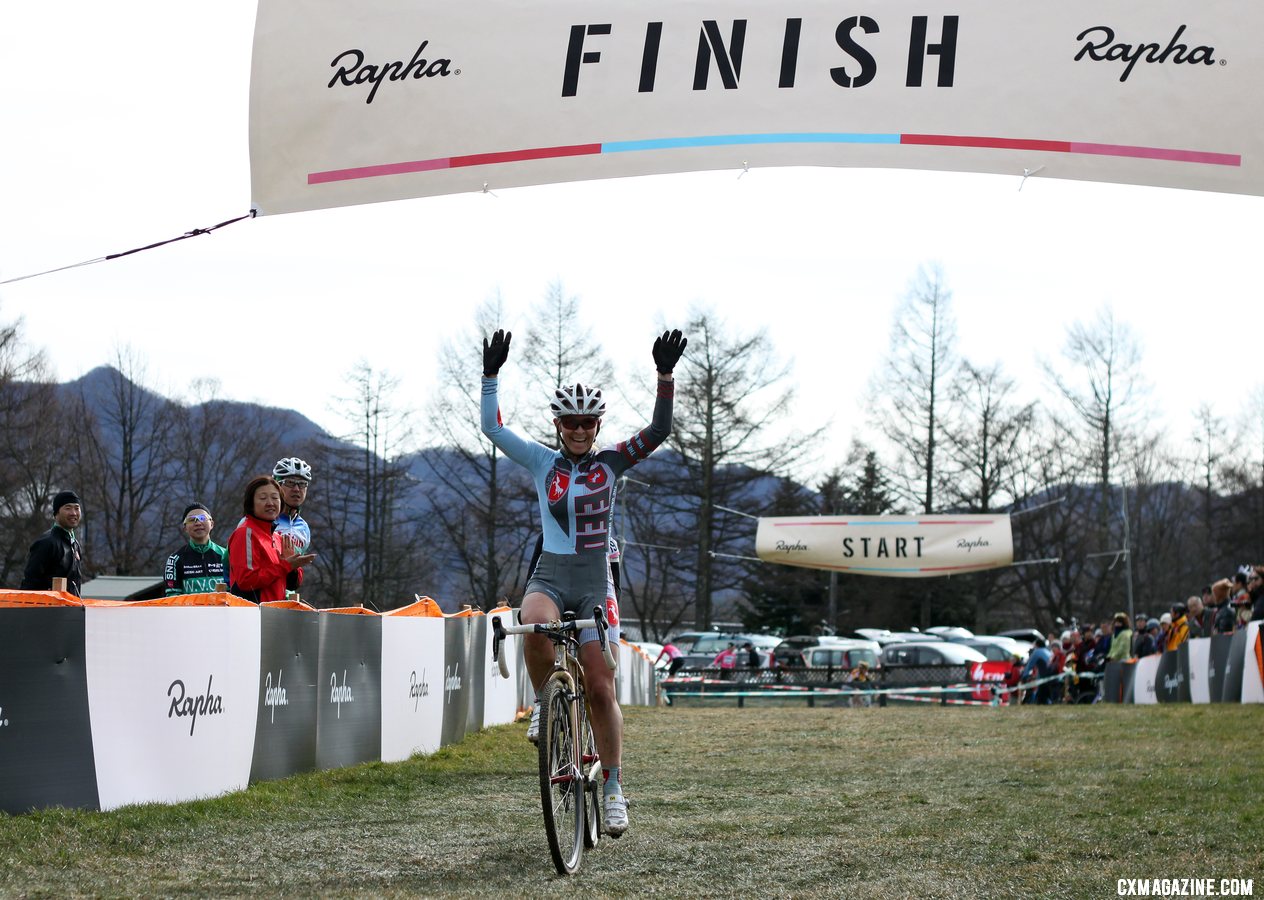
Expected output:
(906, 693)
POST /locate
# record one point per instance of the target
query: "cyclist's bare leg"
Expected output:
(603, 701)
(537, 650)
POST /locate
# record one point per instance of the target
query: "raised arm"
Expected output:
(521, 450)
(668, 349)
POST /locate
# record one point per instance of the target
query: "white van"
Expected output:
(842, 653)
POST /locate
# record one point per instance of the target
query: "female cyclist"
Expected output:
(576, 489)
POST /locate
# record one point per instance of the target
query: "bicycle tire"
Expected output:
(561, 781)
(592, 787)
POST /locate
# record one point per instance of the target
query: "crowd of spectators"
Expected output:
(264, 558)
(1084, 649)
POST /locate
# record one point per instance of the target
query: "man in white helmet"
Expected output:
(295, 476)
(576, 491)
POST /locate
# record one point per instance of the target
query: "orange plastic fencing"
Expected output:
(16, 598)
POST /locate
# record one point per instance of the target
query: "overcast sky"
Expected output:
(126, 124)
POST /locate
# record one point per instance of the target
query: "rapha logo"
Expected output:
(3, 721)
(418, 688)
(206, 704)
(451, 681)
(339, 693)
(352, 69)
(1099, 45)
(274, 696)
(783, 547)
(1172, 682)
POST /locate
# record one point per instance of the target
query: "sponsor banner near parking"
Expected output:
(896, 546)
(412, 685)
(476, 684)
(986, 675)
(172, 701)
(349, 701)
(1171, 679)
(1145, 679)
(1128, 677)
(1199, 650)
(500, 695)
(456, 678)
(1253, 665)
(1217, 664)
(1231, 689)
(45, 738)
(289, 688)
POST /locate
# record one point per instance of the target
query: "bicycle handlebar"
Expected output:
(553, 629)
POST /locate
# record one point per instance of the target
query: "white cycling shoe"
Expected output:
(533, 730)
(616, 815)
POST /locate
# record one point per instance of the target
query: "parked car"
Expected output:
(998, 648)
(843, 654)
(929, 653)
(1028, 635)
(949, 633)
(705, 648)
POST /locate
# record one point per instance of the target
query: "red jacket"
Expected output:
(256, 569)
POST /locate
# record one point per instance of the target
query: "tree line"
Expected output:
(1087, 478)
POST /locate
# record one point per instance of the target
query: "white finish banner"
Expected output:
(386, 99)
(897, 546)
(412, 686)
(172, 699)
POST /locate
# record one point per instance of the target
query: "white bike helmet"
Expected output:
(291, 467)
(577, 400)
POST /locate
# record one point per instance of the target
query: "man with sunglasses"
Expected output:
(576, 490)
(201, 564)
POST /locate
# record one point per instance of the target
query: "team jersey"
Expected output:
(576, 497)
(196, 570)
(297, 528)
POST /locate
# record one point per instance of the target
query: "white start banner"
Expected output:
(172, 699)
(898, 546)
(386, 99)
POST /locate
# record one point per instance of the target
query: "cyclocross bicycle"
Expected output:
(570, 769)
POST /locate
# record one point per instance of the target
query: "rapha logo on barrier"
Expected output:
(207, 704)
(351, 70)
(418, 688)
(451, 681)
(1099, 45)
(339, 693)
(4, 723)
(274, 696)
(1172, 682)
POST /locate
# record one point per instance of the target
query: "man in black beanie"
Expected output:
(55, 553)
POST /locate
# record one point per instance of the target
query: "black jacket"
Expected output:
(53, 555)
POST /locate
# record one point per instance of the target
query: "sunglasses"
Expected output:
(294, 484)
(196, 518)
(575, 423)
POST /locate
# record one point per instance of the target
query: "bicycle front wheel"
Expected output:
(561, 781)
(592, 785)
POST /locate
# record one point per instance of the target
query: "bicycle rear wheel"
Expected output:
(561, 781)
(592, 786)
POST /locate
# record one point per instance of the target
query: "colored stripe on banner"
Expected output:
(720, 140)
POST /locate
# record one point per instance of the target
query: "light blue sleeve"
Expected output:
(525, 452)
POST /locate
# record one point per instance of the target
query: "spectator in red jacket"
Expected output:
(259, 560)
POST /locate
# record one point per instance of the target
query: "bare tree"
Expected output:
(123, 463)
(732, 394)
(559, 349)
(481, 502)
(33, 431)
(911, 393)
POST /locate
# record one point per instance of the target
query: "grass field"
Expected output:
(774, 802)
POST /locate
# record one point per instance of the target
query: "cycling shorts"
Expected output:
(576, 583)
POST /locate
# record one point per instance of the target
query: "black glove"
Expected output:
(496, 352)
(668, 349)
